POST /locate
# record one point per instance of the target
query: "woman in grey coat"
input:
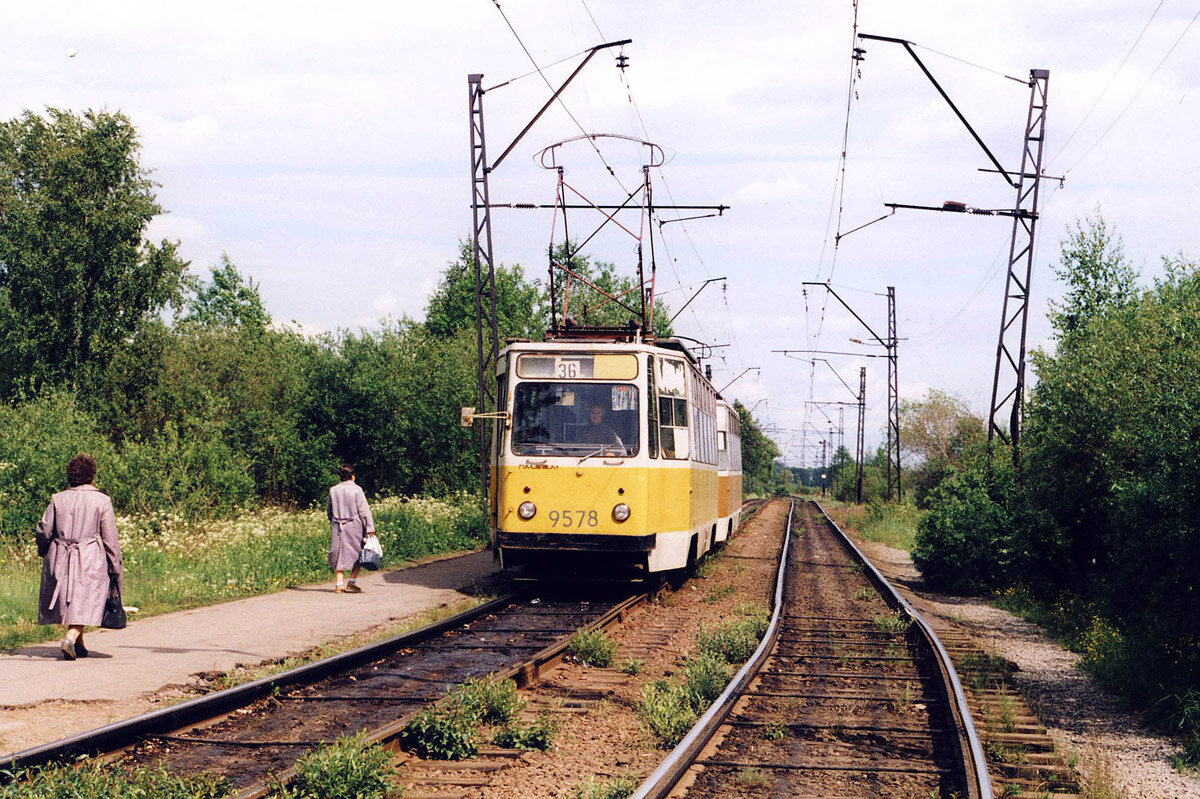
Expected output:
(78, 538)
(350, 522)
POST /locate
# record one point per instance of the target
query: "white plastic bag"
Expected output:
(372, 553)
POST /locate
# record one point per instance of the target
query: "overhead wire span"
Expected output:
(996, 72)
(1112, 78)
(1136, 94)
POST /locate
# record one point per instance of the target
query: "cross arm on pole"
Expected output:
(554, 97)
(908, 46)
(853, 313)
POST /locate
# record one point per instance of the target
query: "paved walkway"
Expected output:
(168, 650)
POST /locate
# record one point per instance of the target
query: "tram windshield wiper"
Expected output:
(607, 451)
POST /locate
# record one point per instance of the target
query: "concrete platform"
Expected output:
(167, 650)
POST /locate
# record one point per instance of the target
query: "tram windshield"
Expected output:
(578, 419)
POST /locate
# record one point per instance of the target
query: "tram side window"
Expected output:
(673, 418)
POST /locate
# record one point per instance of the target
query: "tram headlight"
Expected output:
(527, 510)
(620, 512)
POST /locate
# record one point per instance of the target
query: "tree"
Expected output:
(227, 300)
(520, 304)
(938, 434)
(1096, 273)
(76, 277)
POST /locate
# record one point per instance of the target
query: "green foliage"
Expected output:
(350, 768)
(615, 788)
(667, 711)
(76, 278)
(964, 544)
(538, 734)
(228, 300)
(704, 677)
(592, 648)
(96, 780)
(733, 641)
(442, 731)
(488, 700)
(392, 400)
(631, 665)
(520, 304)
(938, 434)
(887, 522)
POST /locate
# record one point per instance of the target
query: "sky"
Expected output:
(325, 148)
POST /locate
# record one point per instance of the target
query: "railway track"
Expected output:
(255, 732)
(850, 695)
(847, 705)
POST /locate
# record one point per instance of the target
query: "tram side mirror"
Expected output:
(467, 418)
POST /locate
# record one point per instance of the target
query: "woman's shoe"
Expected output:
(80, 649)
(68, 649)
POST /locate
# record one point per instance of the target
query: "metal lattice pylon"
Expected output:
(1010, 350)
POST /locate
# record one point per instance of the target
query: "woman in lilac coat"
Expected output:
(350, 522)
(77, 536)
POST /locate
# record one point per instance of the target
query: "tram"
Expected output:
(614, 459)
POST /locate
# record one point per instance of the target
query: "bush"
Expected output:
(592, 648)
(350, 767)
(37, 438)
(962, 543)
(667, 711)
(704, 677)
(443, 731)
(488, 700)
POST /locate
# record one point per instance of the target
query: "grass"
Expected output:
(885, 522)
(538, 734)
(715, 595)
(753, 777)
(735, 640)
(1145, 673)
(891, 622)
(171, 564)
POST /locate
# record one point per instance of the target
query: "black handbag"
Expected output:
(114, 611)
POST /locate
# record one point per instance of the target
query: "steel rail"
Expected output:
(123, 733)
(979, 785)
(664, 778)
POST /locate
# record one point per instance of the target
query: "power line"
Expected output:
(1112, 78)
(1136, 94)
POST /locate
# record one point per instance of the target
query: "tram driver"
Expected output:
(599, 431)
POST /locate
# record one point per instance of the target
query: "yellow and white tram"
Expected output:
(615, 459)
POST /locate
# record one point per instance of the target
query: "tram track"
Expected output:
(255, 732)
(850, 694)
